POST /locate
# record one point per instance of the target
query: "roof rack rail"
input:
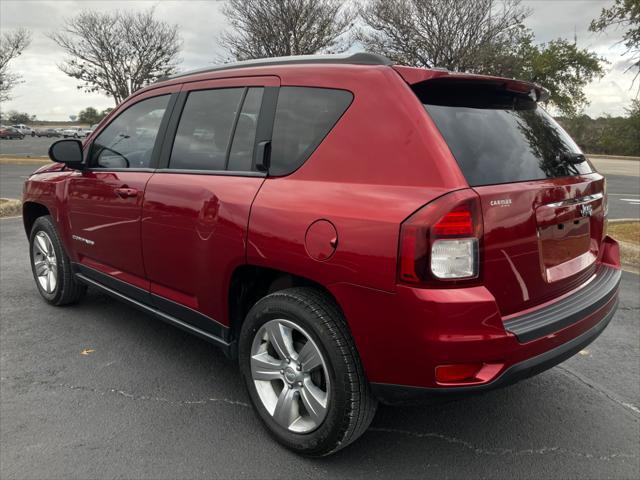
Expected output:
(360, 58)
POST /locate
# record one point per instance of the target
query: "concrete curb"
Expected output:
(623, 220)
(612, 157)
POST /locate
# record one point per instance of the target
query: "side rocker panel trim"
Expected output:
(141, 300)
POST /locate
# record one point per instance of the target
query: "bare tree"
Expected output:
(454, 34)
(274, 28)
(118, 53)
(11, 45)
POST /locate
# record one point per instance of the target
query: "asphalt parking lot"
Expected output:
(149, 401)
(27, 147)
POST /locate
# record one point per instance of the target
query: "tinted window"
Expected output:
(205, 129)
(499, 137)
(241, 155)
(127, 142)
(303, 118)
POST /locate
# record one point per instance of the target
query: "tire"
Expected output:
(338, 379)
(47, 255)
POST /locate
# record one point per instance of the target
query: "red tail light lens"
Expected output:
(441, 240)
(455, 223)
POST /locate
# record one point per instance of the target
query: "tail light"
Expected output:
(441, 241)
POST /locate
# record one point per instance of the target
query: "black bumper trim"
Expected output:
(569, 310)
(402, 394)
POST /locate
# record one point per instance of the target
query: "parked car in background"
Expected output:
(24, 129)
(47, 132)
(89, 131)
(75, 132)
(349, 230)
(11, 133)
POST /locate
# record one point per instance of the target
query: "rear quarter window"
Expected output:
(304, 116)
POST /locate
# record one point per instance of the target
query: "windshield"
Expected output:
(500, 137)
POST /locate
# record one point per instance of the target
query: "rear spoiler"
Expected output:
(413, 75)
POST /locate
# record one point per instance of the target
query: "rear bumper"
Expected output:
(402, 394)
(403, 337)
(567, 311)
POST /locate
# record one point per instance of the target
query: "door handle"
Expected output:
(126, 192)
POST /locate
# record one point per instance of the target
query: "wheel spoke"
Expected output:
(51, 281)
(41, 245)
(49, 245)
(286, 410)
(40, 267)
(265, 367)
(48, 284)
(309, 357)
(314, 400)
(280, 339)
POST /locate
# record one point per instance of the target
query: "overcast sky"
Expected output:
(51, 95)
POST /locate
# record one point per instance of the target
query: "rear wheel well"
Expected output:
(250, 283)
(31, 211)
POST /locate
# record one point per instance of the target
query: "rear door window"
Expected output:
(205, 129)
(304, 116)
(244, 138)
(500, 137)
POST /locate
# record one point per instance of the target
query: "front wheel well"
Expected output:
(251, 283)
(31, 211)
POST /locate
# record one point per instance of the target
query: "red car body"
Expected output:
(187, 243)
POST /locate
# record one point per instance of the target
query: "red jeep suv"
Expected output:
(352, 231)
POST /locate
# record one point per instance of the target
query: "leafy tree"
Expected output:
(12, 45)
(483, 36)
(118, 53)
(625, 14)
(274, 28)
(560, 66)
(607, 135)
(89, 115)
(14, 117)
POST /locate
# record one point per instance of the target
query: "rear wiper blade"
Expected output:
(570, 157)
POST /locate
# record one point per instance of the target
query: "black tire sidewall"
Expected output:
(331, 430)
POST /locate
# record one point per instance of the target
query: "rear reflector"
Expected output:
(463, 372)
(467, 373)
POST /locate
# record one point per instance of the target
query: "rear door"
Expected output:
(543, 204)
(196, 207)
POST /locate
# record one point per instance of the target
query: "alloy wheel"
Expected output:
(45, 262)
(290, 375)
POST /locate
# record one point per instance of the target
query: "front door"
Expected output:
(105, 199)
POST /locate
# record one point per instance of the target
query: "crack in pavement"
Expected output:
(599, 389)
(502, 451)
(434, 435)
(122, 393)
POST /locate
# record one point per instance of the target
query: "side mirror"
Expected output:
(67, 151)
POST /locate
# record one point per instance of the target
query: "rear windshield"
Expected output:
(498, 136)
